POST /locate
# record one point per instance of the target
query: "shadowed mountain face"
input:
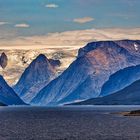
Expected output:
(7, 95)
(85, 77)
(128, 96)
(1, 104)
(120, 80)
(39, 73)
(55, 63)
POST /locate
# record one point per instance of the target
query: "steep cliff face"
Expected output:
(39, 71)
(7, 95)
(85, 77)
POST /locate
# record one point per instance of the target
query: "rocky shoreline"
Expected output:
(131, 113)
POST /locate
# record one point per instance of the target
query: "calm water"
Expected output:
(68, 123)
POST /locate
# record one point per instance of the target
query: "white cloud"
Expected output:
(3, 23)
(22, 25)
(52, 5)
(73, 38)
(83, 20)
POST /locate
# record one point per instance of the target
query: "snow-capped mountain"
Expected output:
(20, 59)
(93, 67)
(7, 94)
(38, 74)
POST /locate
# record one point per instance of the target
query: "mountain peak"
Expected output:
(41, 57)
(39, 71)
(133, 46)
(40, 65)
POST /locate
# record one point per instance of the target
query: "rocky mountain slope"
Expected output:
(85, 77)
(120, 80)
(7, 95)
(38, 74)
(128, 96)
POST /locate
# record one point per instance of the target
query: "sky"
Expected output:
(40, 17)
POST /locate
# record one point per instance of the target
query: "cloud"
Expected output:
(22, 25)
(83, 20)
(52, 5)
(3, 23)
(72, 38)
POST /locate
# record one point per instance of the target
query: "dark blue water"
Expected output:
(68, 123)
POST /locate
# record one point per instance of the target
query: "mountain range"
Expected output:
(19, 59)
(102, 70)
(86, 76)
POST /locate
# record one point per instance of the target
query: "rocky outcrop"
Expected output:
(55, 63)
(3, 60)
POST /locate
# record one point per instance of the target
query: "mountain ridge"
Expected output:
(92, 68)
(130, 95)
